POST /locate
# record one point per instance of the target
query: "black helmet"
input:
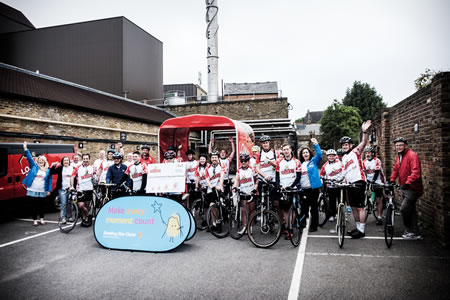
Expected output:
(264, 138)
(400, 140)
(172, 148)
(145, 147)
(169, 155)
(340, 151)
(111, 150)
(369, 149)
(244, 157)
(117, 155)
(214, 152)
(190, 151)
(346, 139)
(203, 154)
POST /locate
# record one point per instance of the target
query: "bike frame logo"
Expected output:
(143, 223)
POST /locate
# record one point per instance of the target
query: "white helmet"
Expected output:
(331, 152)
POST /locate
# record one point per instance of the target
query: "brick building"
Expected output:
(35, 107)
(424, 120)
(250, 91)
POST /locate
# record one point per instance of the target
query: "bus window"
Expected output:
(3, 162)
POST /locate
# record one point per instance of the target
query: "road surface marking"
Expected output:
(297, 276)
(367, 237)
(373, 256)
(30, 220)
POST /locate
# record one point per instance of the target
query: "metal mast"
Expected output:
(212, 9)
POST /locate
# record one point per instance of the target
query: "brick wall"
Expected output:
(20, 118)
(237, 110)
(430, 109)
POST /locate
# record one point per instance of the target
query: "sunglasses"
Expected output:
(244, 160)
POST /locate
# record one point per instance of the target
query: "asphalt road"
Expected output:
(43, 263)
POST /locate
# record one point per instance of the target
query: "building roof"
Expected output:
(270, 87)
(313, 117)
(308, 129)
(19, 82)
(15, 15)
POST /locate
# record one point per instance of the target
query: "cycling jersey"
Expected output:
(353, 166)
(225, 162)
(148, 160)
(104, 166)
(214, 173)
(304, 179)
(136, 171)
(97, 164)
(246, 180)
(200, 173)
(191, 166)
(266, 167)
(84, 177)
(288, 170)
(254, 161)
(371, 166)
(333, 171)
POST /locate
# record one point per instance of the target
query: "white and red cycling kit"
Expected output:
(353, 166)
(200, 173)
(213, 173)
(266, 167)
(104, 166)
(371, 166)
(225, 163)
(84, 175)
(191, 166)
(333, 171)
(288, 170)
(136, 171)
(246, 180)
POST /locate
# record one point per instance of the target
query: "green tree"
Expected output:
(365, 99)
(337, 121)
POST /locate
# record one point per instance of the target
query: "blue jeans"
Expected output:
(63, 195)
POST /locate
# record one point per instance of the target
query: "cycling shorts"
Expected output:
(357, 194)
(378, 192)
(87, 196)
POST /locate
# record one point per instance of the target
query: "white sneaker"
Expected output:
(332, 219)
(63, 221)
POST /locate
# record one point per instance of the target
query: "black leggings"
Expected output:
(37, 206)
(312, 196)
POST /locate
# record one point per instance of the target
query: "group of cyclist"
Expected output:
(280, 168)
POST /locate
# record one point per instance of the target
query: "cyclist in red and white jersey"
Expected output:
(374, 173)
(333, 169)
(254, 160)
(104, 166)
(225, 160)
(137, 173)
(97, 162)
(76, 160)
(129, 160)
(354, 173)
(288, 173)
(191, 167)
(146, 158)
(174, 154)
(246, 180)
(267, 159)
(200, 172)
(84, 174)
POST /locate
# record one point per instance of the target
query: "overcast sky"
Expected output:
(314, 49)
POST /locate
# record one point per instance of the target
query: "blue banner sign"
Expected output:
(143, 223)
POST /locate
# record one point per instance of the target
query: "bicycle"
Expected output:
(370, 206)
(341, 221)
(296, 219)
(323, 206)
(71, 213)
(264, 225)
(390, 214)
(217, 216)
(238, 213)
(106, 197)
(198, 211)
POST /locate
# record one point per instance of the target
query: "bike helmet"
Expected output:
(111, 151)
(400, 140)
(264, 138)
(244, 157)
(346, 139)
(203, 154)
(340, 151)
(331, 152)
(169, 155)
(214, 153)
(369, 149)
(172, 148)
(190, 151)
(256, 149)
(145, 147)
(117, 155)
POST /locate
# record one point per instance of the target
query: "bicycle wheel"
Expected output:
(71, 214)
(237, 216)
(294, 226)
(389, 226)
(199, 213)
(367, 208)
(264, 229)
(220, 227)
(323, 210)
(341, 225)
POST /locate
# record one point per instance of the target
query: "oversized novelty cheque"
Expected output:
(166, 178)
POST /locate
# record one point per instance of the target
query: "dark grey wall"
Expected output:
(88, 53)
(8, 25)
(142, 64)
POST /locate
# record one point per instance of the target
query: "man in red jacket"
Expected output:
(407, 169)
